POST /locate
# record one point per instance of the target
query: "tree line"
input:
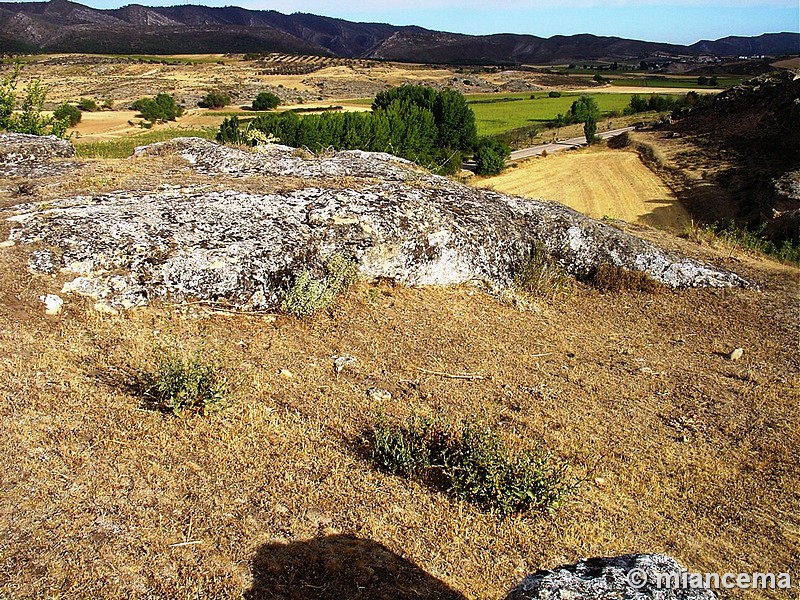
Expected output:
(433, 128)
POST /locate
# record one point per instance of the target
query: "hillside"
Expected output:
(748, 143)
(64, 26)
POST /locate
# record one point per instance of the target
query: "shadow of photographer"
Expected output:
(340, 567)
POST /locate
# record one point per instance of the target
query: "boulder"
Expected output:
(629, 577)
(23, 155)
(385, 214)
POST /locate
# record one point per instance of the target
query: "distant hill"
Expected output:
(63, 26)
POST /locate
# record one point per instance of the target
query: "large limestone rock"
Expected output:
(245, 248)
(629, 577)
(24, 155)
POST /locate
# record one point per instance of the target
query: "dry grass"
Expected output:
(684, 451)
(597, 183)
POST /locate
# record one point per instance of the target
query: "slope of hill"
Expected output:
(64, 26)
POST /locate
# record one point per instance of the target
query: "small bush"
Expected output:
(540, 276)
(470, 462)
(608, 278)
(161, 108)
(309, 294)
(490, 156)
(88, 105)
(69, 113)
(179, 385)
(554, 94)
(215, 100)
(266, 101)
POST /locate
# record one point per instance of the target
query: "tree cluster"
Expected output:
(161, 108)
(266, 101)
(30, 119)
(674, 104)
(215, 100)
(431, 128)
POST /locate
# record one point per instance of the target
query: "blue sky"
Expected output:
(676, 21)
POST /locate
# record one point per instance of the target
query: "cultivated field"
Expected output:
(604, 183)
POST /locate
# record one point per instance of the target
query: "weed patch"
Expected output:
(181, 385)
(540, 276)
(309, 294)
(739, 237)
(471, 463)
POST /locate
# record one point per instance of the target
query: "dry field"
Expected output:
(598, 183)
(679, 449)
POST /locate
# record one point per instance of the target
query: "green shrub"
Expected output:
(88, 105)
(470, 462)
(215, 100)
(69, 113)
(179, 385)
(539, 275)
(266, 101)
(554, 94)
(308, 294)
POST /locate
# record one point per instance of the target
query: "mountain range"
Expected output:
(64, 26)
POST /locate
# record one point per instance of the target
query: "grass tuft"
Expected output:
(181, 385)
(746, 239)
(539, 275)
(471, 463)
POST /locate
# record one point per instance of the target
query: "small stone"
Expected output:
(378, 395)
(286, 374)
(735, 354)
(600, 481)
(105, 308)
(52, 304)
(340, 362)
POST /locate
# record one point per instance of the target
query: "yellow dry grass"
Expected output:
(597, 183)
(681, 450)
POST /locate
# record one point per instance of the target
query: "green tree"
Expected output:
(266, 101)
(586, 111)
(31, 118)
(68, 112)
(88, 104)
(215, 100)
(490, 156)
(161, 108)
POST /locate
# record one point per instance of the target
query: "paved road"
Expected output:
(563, 144)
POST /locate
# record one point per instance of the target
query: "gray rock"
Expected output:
(391, 218)
(23, 155)
(629, 577)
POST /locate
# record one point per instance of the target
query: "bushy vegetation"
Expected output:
(30, 119)
(161, 108)
(266, 101)
(472, 463)
(69, 113)
(490, 156)
(585, 110)
(431, 128)
(608, 278)
(88, 105)
(215, 100)
(755, 240)
(309, 294)
(181, 385)
(677, 105)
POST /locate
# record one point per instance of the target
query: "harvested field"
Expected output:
(597, 183)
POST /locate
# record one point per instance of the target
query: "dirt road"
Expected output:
(563, 145)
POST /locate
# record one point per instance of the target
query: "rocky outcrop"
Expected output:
(386, 215)
(23, 155)
(630, 577)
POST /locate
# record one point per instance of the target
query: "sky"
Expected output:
(673, 21)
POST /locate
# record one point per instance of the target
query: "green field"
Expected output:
(521, 111)
(123, 147)
(672, 82)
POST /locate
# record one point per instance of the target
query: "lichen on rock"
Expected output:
(394, 221)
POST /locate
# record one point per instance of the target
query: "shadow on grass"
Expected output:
(340, 567)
